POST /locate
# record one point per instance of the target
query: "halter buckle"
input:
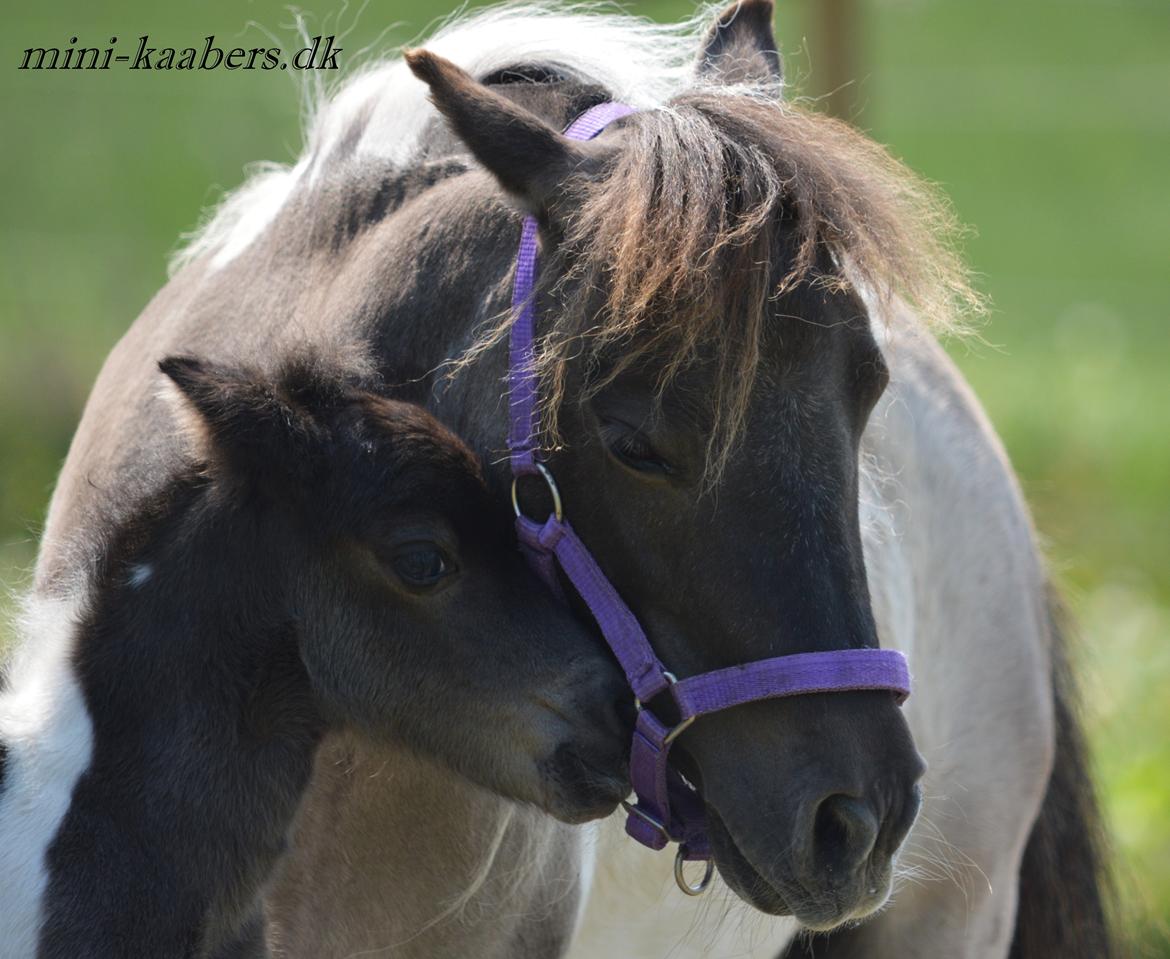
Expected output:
(671, 680)
(652, 821)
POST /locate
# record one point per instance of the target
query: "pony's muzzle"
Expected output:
(840, 777)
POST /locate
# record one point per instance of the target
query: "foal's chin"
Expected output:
(818, 910)
(575, 791)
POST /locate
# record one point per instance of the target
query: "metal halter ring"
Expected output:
(671, 680)
(681, 880)
(558, 511)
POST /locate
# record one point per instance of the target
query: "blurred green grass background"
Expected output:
(1047, 121)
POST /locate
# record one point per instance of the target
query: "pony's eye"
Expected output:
(639, 455)
(421, 564)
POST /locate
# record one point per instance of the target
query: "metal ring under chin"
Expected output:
(701, 886)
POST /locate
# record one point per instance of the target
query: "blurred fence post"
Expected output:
(835, 70)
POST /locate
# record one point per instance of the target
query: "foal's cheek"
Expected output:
(352, 654)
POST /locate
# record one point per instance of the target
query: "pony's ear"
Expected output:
(528, 157)
(247, 427)
(741, 48)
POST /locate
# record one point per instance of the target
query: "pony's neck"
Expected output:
(435, 314)
(203, 730)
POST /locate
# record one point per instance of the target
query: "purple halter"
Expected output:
(668, 809)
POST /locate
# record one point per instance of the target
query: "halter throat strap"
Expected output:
(667, 808)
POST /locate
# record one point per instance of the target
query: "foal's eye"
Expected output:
(638, 454)
(421, 564)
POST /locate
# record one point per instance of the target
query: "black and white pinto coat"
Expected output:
(953, 566)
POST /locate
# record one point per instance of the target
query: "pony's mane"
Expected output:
(700, 193)
(640, 62)
(706, 175)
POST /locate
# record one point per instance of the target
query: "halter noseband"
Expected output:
(668, 809)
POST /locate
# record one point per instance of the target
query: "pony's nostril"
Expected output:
(844, 832)
(898, 823)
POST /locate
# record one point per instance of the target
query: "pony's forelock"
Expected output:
(732, 182)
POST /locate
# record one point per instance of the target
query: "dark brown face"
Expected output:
(417, 618)
(665, 241)
(809, 798)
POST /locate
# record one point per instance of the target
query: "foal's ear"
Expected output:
(248, 427)
(741, 48)
(528, 157)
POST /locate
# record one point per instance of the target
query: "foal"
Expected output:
(330, 558)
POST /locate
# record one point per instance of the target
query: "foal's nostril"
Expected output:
(581, 790)
(844, 832)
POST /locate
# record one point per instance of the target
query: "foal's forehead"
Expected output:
(416, 443)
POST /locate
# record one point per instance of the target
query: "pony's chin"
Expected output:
(775, 897)
(740, 876)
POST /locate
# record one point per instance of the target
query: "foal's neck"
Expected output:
(204, 730)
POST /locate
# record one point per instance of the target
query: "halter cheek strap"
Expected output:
(667, 808)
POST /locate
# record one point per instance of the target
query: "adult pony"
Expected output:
(754, 433)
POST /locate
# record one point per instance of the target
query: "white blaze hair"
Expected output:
(46, 728)
(640, 62)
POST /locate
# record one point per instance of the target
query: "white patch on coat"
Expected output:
(252, 208)
(635, 911)
(140, 574)
(589, 836)
(640, 62)
(46, 728)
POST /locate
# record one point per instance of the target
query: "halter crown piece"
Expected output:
(667, 809)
